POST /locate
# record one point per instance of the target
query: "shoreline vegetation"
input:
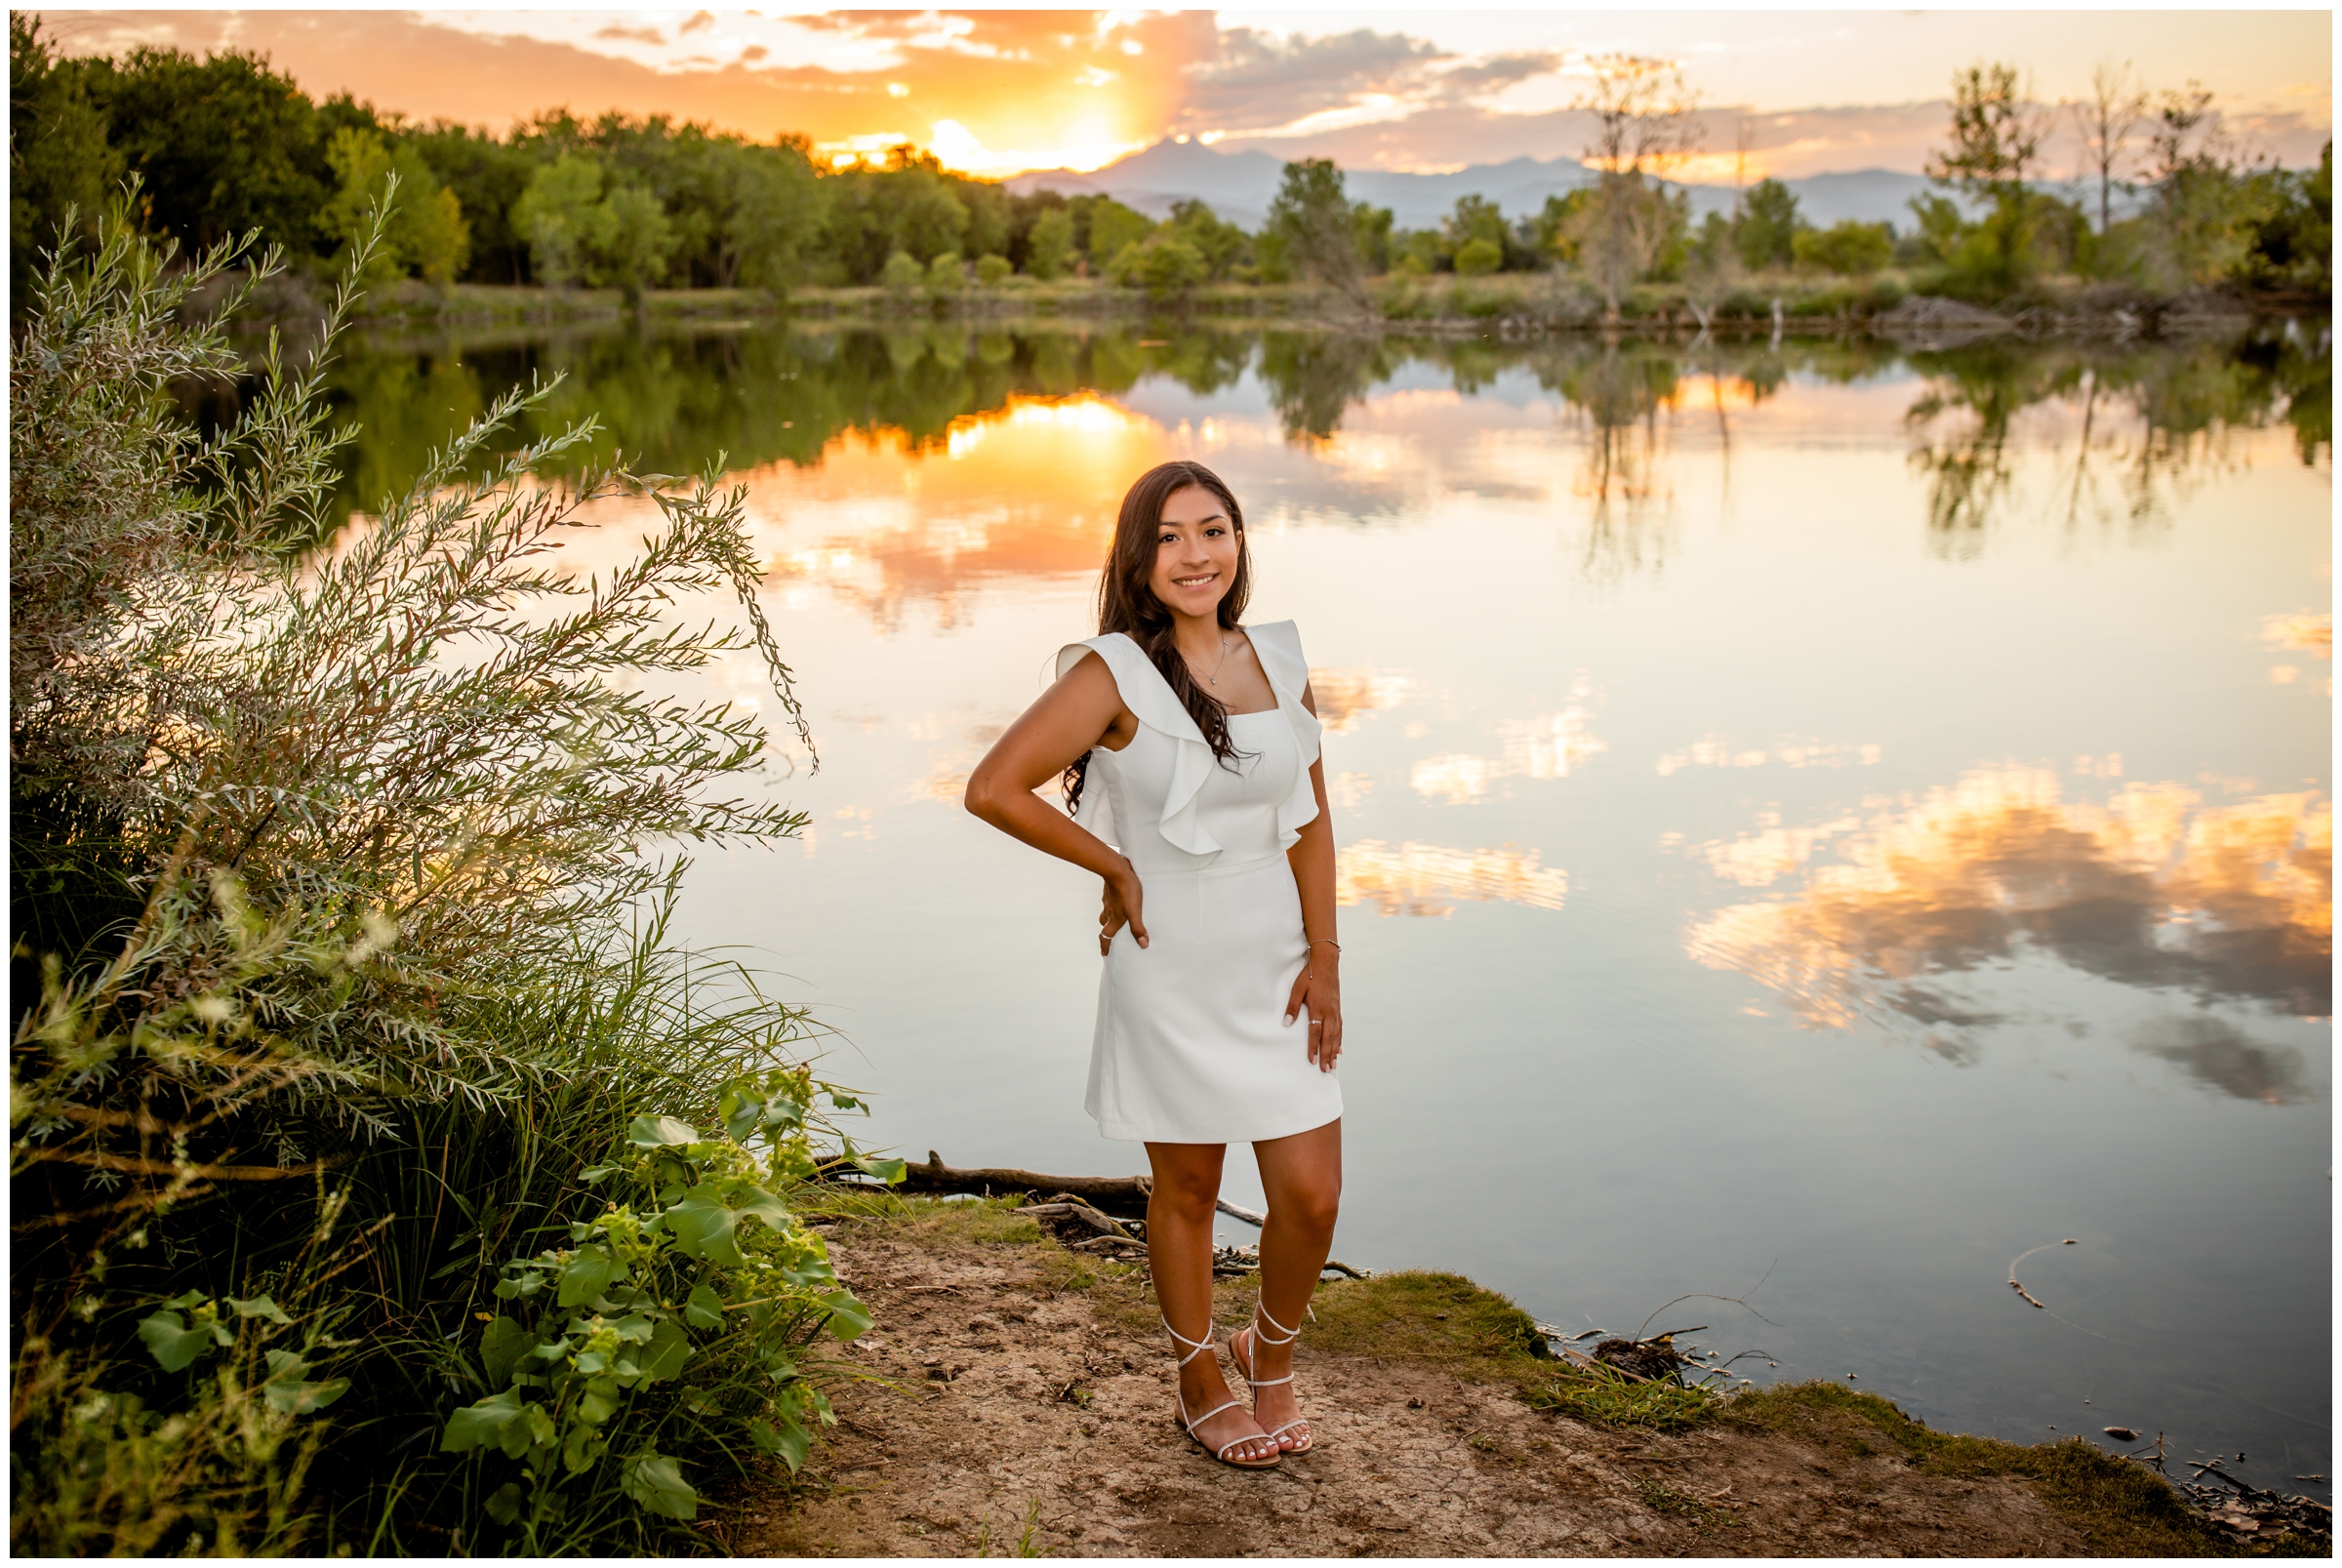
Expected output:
(1889, 305)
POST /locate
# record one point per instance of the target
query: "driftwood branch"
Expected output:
(1123, 1197)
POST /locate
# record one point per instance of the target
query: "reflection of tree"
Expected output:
(1617, 388)
(2154, 422)
(1962, 420)
(2156, 417)
(1314, 376)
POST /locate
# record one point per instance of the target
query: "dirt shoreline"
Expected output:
(1016, 1400)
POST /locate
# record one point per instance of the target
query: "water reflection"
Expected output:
(1429, 879)
(2153, 889)
(2135, 426)
(2223, 1058)
(2138, 429)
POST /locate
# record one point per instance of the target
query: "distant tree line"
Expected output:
(224, 145)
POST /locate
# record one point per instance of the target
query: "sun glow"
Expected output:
(960, 149)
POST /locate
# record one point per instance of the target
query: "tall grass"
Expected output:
(340, 942)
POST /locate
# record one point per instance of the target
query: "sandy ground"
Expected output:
(1016, 1419)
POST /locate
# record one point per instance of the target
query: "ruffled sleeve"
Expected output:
(1151, 700)
(1278, 645)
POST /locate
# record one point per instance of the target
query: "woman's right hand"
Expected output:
(1121, 907)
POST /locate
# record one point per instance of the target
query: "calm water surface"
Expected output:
(1813, 814)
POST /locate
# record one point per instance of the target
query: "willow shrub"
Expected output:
(337, 878)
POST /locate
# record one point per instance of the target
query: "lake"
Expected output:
(1819, 821)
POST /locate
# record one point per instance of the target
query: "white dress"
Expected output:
(1192, 1046)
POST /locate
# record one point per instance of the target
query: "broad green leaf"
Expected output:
(590, 1363)
(299, 1398)
(174, 1345)
(503, 1343)
(258, 1307)
(482, 1424)
(664, 1356)
(658, 1132)
(849, 1319)
(704, 1310)
(765, 1206)
(814, 1270)
(288, 1395)
(593, 1174)
(888, 1170)
(741, 1115)
(581, 1450)
(792, 1441)
(504, 1503)
(657, 1483)
(844, 1102)
(634, 1328)
(703, 1226)
(595, 1407)
(589, 1275)
(191, 1299)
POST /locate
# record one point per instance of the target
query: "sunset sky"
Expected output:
(997, 92)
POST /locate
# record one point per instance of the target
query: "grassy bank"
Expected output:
(1513, 303)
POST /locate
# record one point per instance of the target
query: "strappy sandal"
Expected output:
(1245, 1361)
(1196, 1348)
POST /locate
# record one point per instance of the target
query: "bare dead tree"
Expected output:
(2107, 118)
(1645, 118)
(1645, 121)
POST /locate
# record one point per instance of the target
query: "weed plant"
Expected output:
(341, 890)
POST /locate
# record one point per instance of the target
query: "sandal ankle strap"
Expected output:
(1290, 1334)
(1197, 1346)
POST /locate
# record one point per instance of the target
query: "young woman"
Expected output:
(1188, 743)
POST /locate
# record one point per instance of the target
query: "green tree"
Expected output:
(427, 234)
(1052, 245)
(486, 175)
(901, 275)
(1994, 144)
(1849, 248)
(1477, 258)
(2291, 241)
(1475, 219)
(1165, 265)
(1768, 225)
(1112, 225)
(1553, 229)
(947, 274)
(558, 214)
(631, 242)
(775, 209)
(57, 154)
(224, 145)
(993, 271)
(1221, 244)
(1313, 230)
(1935, 233)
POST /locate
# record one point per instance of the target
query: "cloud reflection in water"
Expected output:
(2154, 889)
(1431, 879)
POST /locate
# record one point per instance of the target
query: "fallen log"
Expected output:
(1123, 1197)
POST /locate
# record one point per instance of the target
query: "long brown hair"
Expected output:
(1126, 602)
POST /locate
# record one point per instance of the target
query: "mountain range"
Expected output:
(1240, 186)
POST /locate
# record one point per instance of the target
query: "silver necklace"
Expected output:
(1214, 676)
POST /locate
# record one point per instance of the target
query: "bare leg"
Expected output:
(1179, 1255)
(1303, 1177)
